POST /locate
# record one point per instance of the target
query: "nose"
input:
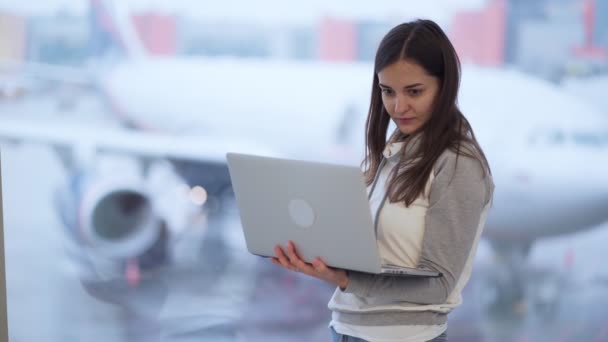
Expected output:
(401, 105)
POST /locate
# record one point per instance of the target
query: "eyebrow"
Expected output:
(406, 87)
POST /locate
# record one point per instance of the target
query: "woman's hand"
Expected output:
(318, 269)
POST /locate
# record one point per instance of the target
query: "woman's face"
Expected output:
(408, 93)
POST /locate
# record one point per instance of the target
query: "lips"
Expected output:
(406, 120)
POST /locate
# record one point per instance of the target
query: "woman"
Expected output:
(430, 189)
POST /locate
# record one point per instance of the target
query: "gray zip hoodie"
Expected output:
(453, 214)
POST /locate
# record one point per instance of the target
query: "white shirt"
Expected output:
(396, 248)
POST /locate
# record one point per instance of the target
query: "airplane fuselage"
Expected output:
(533, 134)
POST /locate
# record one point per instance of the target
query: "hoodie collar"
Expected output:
(392, 150)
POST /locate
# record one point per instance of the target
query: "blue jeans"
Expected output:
(336, 337)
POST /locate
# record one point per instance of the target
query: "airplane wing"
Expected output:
(78, 76)
(145, 145)
(82, 199)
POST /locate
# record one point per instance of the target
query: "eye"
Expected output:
(386, 91)
(414, 92)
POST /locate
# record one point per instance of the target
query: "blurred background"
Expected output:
(120, 223)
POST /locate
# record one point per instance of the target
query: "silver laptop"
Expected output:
(322, 207)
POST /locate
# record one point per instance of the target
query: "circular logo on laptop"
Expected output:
(301, 213)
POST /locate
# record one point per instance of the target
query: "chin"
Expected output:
(407, 130)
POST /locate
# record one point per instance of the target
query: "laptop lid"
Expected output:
(322, 207)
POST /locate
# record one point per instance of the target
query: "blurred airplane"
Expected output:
(190, 111)
(538, 140)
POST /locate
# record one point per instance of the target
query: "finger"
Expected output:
(285, 261)
(297, 262)
(321, 267)
(282, 258)
(280, 255)
(295, 259)
(291, 252)
(275, 261)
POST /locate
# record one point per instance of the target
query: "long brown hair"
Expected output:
(423, 42)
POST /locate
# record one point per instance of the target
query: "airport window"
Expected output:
(143, 241)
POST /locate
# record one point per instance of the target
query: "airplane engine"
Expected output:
(114, 221)
(118, 221)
